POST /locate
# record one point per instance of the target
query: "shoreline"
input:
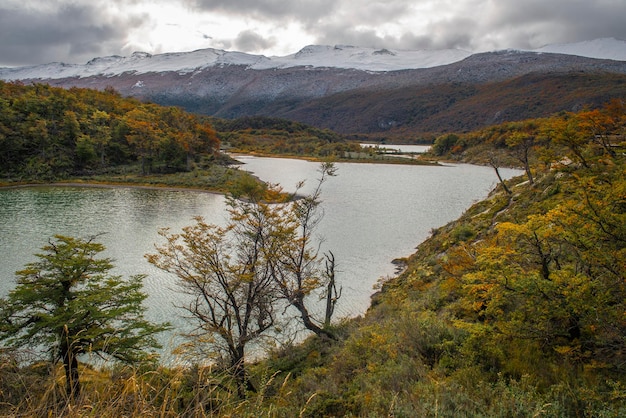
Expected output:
(111, 186)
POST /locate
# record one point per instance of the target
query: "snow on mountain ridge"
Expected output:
(367, 59)
(602, 48)
(338, 56)
(138, 62)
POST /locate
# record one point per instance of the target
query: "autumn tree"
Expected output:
(189, 135)
(239, 275)
(558, 277)
(69, 303)
(443, 144)
(48, 132)
(144, 134)
(566, 130)
(100, 132)
(225, 272)
(521, 140)
(604, 126)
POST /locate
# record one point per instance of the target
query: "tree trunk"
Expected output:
(70, 364)
(506, 189)
(331, 289)
(308, 323)
(529, 174)
(493, 162)
(188, 161)
(238, 365)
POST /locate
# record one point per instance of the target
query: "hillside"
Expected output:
(75, 136)
(420, 112)
(350, 101)
(51, 133)
(265, 135)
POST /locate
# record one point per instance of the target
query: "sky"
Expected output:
(74, 31)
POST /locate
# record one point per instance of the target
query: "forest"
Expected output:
(49, 133)
(515, 309)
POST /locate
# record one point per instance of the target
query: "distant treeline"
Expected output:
(50, 133)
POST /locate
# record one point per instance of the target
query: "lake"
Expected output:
(374, 213)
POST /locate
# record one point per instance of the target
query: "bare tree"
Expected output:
(494, 162)
(521, 143)
(331, 293)
(226, 274)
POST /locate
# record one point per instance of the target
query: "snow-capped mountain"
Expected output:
(316, 56)
(361, 90)
(367, 59)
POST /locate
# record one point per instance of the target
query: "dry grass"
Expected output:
(120, 391)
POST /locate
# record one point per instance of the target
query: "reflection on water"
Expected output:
(373, 214)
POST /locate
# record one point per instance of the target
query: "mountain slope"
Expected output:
(418, 110)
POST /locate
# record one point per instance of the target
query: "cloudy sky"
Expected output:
(74, 31)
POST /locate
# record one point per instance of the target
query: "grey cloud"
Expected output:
(469, 24)
(301, 10)
(456, 32)
(76, 30)
(433, 38)
(69, 33)
(359, 28)
(450, 33)
(334, 34)
(251, 41)
(478, 24)
(535, 22)
(378, 12)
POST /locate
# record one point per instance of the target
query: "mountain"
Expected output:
(367, 91)
(366, 59)
(312, 56)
